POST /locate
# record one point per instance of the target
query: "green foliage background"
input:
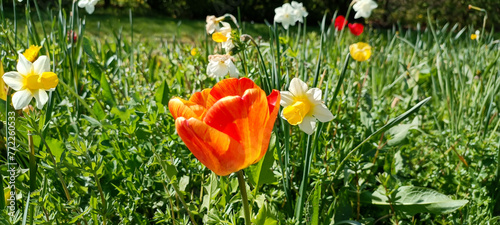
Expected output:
(408, 13)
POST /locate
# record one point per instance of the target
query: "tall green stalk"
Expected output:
(244, 197)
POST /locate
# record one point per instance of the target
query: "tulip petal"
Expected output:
(200, 98)
(14, 80)
(214, 149)
(21, 99)
(244, 119)
(187, 109)
(272, 101)
(229, 87)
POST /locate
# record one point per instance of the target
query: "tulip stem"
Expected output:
(244, 198)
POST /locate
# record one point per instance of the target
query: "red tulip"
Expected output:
(356, 28)
(340, 23)
(228, 127)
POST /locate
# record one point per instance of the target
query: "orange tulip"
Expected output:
(228, 127)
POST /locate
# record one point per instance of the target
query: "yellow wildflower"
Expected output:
(194, 51)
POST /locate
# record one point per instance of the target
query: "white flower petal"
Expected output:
(83, 3)
(14, 80)
(286, 98)
(89, 9)
(314, 95)
(41, 98)
(21, 99)
(297, 87)
(217, 69)
(41, 65)
(23, 65)
(308, 125)
(322, 113)
(233, 72)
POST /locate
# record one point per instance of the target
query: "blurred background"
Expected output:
(406, 13)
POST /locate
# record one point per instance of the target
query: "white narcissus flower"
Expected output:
(226, 31)
(300, 11)
(364, 8)
(302, 106)
(213, 24)
(89, 5)
(221, 65)
(31, 80)
(285, 15)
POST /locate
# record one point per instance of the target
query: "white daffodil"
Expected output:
(285, 15)
(213, 24)
(221, 65)
(300, 11)
(31, 80)
(302, 106)
(364, 8)
(223, 36)
(89, 5)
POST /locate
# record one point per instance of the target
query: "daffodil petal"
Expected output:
(41, 65)
(23, 65)
(233, 72)
(286, 98)
(314, 95)
(322, 113)
(14, 80)
(90, 8)
(41, 98)
(308, 125)
(82, 3)
(297, 87)
(21, 99)
(214, 149)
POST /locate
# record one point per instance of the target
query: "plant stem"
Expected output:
(177, 191)
(299, 207)
(244, 198)
(33, 168)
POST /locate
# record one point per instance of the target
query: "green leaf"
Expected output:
(106, 91)
(56, 146)
(399, 132)
(162, 94)
(265, 217)
(95, 71)
(261, 173)
(92, 121)
(412, 200)
(87, 48)
(183, 182)
(315, 202)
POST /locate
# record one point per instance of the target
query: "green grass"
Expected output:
(106, 149)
